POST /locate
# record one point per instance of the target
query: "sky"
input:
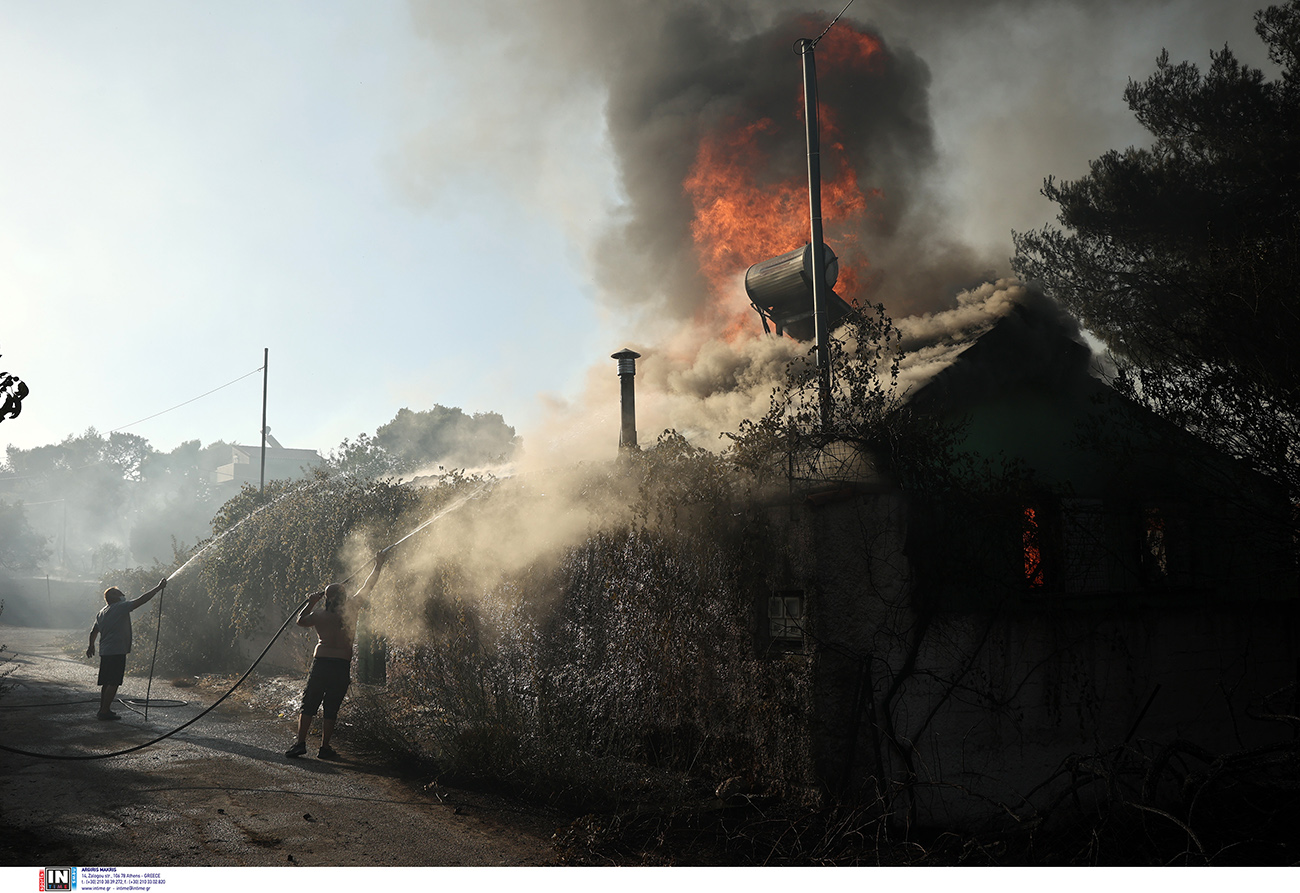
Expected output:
(433, 202)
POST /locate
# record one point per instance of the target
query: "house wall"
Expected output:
(987, 705)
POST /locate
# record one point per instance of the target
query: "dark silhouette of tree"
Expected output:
(1184, 257)
(14, 390)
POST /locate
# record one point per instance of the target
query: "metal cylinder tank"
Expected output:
(788, 277)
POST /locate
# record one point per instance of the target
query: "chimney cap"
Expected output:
(625, 354)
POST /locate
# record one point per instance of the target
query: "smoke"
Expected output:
(941, 166)
(931, 341)
(492, 533)
(653, 85)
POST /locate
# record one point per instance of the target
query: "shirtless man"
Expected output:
(331, 668)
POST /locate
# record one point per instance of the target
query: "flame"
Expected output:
(1033, 550)
(743, 216)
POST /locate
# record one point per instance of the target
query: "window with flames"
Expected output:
(1031, 538)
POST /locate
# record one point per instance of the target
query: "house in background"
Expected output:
(1117, 585)
(245, 465)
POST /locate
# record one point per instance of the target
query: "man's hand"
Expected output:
(90, 651)
(380, 557)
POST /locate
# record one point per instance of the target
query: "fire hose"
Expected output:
(238, 682)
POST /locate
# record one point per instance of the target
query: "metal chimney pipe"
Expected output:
(627, 385)
(804, 47)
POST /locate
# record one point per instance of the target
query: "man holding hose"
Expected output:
(335, 623)
(113, 622)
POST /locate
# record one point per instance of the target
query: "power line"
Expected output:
(187, 402)
(832, 24)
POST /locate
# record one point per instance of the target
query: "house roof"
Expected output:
(1034, 347)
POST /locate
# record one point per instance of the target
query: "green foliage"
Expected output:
(1184, 257)
(267, 553)
(363, 457)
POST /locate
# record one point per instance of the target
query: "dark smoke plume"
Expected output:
(1034, 89)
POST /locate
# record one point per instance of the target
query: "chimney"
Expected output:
(626, 375)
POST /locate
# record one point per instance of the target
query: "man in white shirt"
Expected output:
(113, 624)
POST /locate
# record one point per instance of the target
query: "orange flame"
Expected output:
(1033, 550)
(741, 217)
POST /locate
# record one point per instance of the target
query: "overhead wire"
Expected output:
(817, 40)
(187, 402)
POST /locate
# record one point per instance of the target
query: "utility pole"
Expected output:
(266, 358)
(804, 47)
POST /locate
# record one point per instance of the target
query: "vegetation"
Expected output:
(21, 548)
(439, 439)
(597, 640)
(113, 497)
(617, 667)
(1184, 257)
(106, 501)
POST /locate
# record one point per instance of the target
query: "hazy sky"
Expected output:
(407, 203)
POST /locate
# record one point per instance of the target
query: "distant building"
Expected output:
(281, 464)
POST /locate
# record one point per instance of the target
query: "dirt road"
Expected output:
(218, 793)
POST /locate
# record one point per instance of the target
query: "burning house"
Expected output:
(1092, 582)
(1081, 579)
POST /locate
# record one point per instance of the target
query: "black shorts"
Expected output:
(327, 684)
(112, 667)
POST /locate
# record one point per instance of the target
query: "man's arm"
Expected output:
(380, 557)
(162, 584)
(94, 632)
(302, 619)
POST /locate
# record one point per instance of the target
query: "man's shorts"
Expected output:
(328, 683)
(112, 667)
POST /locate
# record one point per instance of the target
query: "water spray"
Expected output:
(293, 614)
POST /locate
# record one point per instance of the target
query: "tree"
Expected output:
(21, 548)
(1184, 257)
(363, 457)
(414, 441)
(115, 490)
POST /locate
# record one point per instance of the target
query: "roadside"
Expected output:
(219, 792)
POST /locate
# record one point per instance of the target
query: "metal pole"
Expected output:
(266, 358)
(820, 328)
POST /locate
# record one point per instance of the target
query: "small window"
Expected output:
(785, 617)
